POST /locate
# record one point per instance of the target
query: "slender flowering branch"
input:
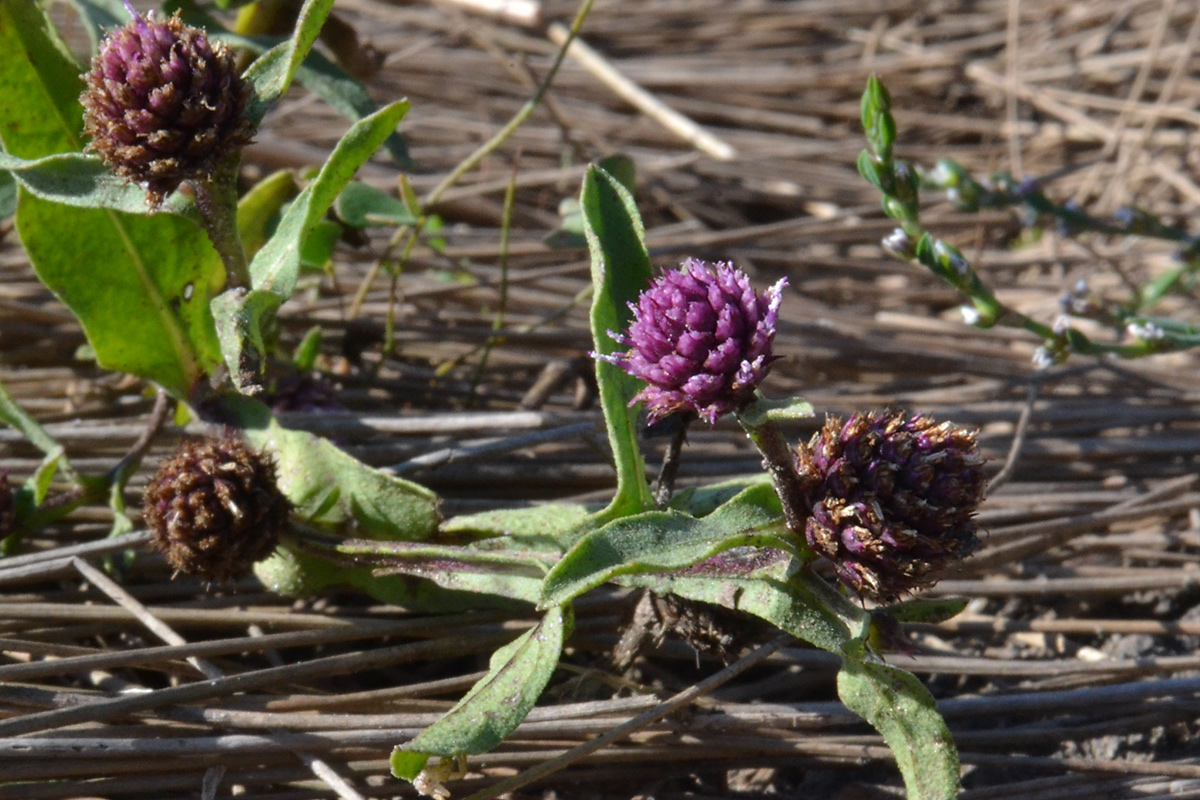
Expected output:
(900, 184)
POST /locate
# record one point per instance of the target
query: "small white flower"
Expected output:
(1062, 324)
(1146, 331)
(970, 315)
(1043, 359)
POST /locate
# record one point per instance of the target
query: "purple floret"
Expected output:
(701, 340)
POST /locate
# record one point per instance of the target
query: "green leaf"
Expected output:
(498, 567)
(276, 266)
(79, 180)
(142, 287)
(570, 233)
(8, 195)
(370, 503)
(294, 573)
(548, 523)
(260, 206)
(902, 710)
(271, 75)
(242, 319)
(764, 411)
(657, 541)
(361, 205)
(44, 475)
(793, 603)
(17, 418)
(620, 272)
(877, 119)
(309, 349)
(497, 704)
(930, 610)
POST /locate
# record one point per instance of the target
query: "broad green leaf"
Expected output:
(258, 207)
(793, 603)
(905, 714)
(370, 504)
(309, 349)
(620, 272)
(701, 500)
(319, 245)
(40, 112)
(361, 205)
(139, 285)
(79, 180)
(277, 264)
(657, 541)
(271, 75)
(765, 411)
(497, 704)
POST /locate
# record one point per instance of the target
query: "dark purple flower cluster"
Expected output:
(701, 340)
(214, 509)
(163, 104)
(892, 499)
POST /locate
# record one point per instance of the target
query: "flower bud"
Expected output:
(164, 104)
(214, 509)
(892, 500)
(701, 339)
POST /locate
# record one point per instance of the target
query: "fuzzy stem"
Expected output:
(216, 200)
(780, 462)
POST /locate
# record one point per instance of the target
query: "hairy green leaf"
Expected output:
(902, 710)
(657, 541)
(79, 180)
(620, 272)
(370, 504)
(497, 704)
(271, 75)
(276, 266)
(361, 205)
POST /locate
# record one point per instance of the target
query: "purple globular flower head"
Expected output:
(701, 340)
(213, 508)
(164, 104)
(892, 499)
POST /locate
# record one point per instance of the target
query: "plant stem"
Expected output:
(780, 462)
(216, 200)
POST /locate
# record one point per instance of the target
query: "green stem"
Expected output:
(780, 462)
(216, 200)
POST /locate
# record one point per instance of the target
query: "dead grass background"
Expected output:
(1073, 673)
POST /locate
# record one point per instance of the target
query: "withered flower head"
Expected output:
(892, 499)
(214, 508)
(701, 340)
(164, 104)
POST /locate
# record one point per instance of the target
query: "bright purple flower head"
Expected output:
(892, 499)
(701, 340)
(164, 104)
